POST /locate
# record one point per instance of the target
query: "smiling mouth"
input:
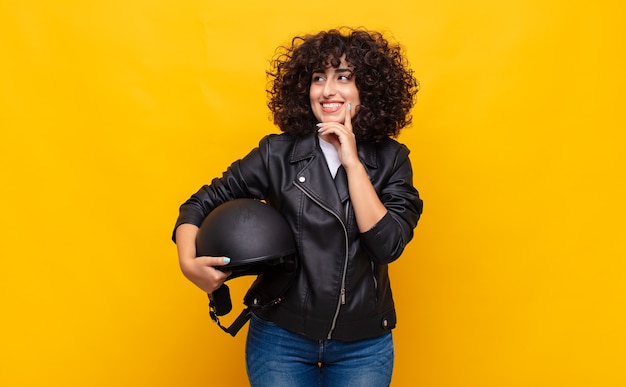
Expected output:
(331, 107)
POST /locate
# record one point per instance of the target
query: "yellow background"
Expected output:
(113, 112)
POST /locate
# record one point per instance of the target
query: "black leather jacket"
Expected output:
(342, 288)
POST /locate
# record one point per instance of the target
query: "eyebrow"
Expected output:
(337, 70)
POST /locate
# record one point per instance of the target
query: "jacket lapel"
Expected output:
(341, 182)
(314, 178)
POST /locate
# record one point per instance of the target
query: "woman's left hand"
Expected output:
(342, 137)
(368, 209)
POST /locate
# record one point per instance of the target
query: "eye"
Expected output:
(344, 76)
(318, 78)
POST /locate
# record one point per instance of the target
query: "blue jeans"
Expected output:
(276, 357)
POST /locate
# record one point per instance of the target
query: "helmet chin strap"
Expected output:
(239, 322)
(220, 304)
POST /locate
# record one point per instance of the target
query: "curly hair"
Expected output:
(386, 84)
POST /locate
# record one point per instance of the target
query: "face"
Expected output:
(331, 89)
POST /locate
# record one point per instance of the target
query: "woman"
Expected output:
(345, 188)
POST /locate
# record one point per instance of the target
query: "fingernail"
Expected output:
(349, 107)
(226, 260)
(318, 124)
(320, 130)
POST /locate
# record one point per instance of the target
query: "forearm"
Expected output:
(368, 208)
(186, 241)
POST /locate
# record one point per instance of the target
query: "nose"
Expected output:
(329, 88)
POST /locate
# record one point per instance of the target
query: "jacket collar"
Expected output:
(305, 146)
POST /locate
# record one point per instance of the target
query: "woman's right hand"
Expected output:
(202, 273)
(199, 270)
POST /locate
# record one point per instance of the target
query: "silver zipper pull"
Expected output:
(343, 296)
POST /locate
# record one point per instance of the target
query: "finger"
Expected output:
(348, 120)
(215, 261)
(331, 132)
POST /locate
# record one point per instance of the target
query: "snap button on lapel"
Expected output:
(302, 179)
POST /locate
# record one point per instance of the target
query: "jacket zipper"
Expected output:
(342, 296)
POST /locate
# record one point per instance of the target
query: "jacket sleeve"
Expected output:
(388, 238)
(245, 178)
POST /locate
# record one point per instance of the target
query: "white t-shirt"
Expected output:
(331, 155)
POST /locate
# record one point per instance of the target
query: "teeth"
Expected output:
(331, 105)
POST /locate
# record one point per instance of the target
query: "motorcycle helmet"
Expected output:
(258, 241)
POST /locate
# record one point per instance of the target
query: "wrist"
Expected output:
(354, 167)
